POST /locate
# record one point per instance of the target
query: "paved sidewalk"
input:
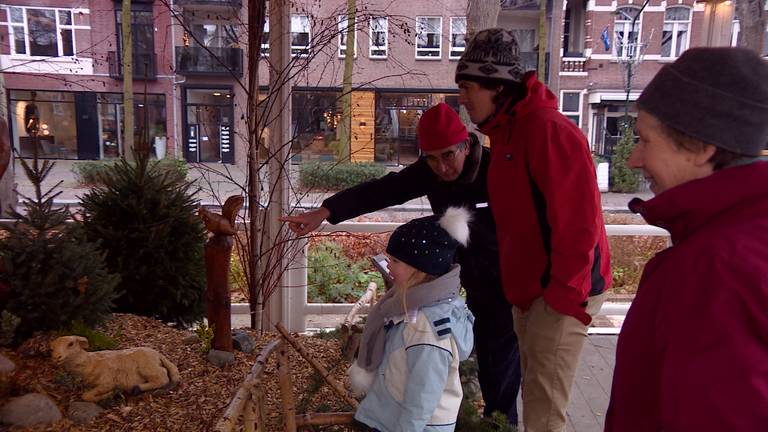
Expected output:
(219, 184)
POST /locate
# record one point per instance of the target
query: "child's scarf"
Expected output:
(441, 290)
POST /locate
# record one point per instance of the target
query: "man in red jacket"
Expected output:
(543, 193)
(693, 351)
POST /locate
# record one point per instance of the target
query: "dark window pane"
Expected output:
(18, 40)
(17, 15)
(571, 102)
(67, 44)
(65, 17)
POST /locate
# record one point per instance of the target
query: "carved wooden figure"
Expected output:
(218, 251)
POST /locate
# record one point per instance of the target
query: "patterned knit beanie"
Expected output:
(491, 54)
(716, 95)
(428, 244)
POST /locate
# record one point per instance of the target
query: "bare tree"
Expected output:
(345, 140)
(127, 58)
(265, 248)
(481, 14)
(751, 15)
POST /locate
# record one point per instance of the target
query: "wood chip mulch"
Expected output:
(199, 400)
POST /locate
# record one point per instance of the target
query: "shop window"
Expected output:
(56, 128)
(314, 119)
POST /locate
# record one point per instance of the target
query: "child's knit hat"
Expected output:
(428, 244)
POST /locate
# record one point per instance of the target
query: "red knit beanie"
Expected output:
(440, 127)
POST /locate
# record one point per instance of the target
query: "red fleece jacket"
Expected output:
(543, 193)
(693, 350)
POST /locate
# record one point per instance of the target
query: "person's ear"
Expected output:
(703, 157)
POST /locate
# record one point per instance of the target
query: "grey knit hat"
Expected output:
(716, 95)
(493, 54)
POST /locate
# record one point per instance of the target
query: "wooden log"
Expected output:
(249, 410)
(370, 293)
(261, 418)
(286, 390)
(234, 410)
(325, 419)
(350, 339)
(335, 385)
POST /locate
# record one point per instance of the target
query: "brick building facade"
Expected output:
(61, 59)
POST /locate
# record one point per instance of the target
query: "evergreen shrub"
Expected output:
(147, 224)
(56, 275)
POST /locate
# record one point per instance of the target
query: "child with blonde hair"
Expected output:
(416, 335)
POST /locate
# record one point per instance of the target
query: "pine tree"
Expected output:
(146, 222)
(56, 276)
(623, 178)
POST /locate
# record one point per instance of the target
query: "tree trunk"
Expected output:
(481, 14)
(751, 24)
(256, 16)
(541, 68)
(127, 58)
(345, 128)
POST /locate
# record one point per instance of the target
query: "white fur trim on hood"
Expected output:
(456, 222)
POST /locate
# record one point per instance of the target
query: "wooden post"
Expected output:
(324, 373)
(286, 389)
(218, 252)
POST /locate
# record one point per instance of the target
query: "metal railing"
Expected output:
(297, 274)
(209, 61)
(144, 66)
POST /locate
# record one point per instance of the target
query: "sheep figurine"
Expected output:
(129, 369)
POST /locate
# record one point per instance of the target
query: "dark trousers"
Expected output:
(498, 357)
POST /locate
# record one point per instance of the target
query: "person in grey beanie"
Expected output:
(693, 351)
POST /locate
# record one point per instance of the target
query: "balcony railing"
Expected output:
(209, 61)
(220, 3)
(144, 66)
(573, 65)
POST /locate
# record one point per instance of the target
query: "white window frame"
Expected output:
(736, 29)
(421, 51)
(25, 25)
(676, 28)
(625, 33)
(265, 46)
(342, 26)
(376, 48)
(455, 53)
(572, 113)
(301, 50)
